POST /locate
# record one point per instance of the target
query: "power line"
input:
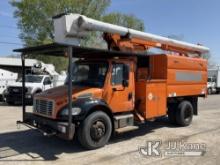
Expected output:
(10, 43)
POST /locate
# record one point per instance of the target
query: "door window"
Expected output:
(120, 73)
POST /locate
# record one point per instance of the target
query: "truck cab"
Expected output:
(104, 82)
(211, 85)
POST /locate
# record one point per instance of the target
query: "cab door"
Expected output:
(121, 91)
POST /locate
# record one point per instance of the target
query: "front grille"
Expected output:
(15, 90)
(44, 107)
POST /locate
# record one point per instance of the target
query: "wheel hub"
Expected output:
(187, 114)
(97, 130)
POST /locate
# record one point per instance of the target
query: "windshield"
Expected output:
(32, 79)
(90, 74)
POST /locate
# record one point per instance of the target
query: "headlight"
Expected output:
(75, 111)
(5, 92)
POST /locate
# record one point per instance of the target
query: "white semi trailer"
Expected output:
(213, 84)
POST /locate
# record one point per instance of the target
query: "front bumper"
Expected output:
(1, 98)
(48, 126)
(17, 98)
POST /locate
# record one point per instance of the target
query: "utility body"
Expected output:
(114, 90)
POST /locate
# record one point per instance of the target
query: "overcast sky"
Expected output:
(196, 21)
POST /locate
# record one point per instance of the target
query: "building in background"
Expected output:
(15, 65)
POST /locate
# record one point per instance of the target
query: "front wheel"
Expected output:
(95, 131)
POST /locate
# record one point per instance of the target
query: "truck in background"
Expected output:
(49, 69)
(6, 78)
(34, 84)
(213, 84)
(43, 77)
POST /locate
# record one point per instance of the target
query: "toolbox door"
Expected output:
(155, 99)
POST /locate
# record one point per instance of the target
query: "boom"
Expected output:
(69, 28)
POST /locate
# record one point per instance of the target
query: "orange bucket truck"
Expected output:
(114, 90)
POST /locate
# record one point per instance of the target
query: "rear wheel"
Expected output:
(95, 131)
(184, 114)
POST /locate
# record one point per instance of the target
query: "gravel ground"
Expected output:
(26, 146)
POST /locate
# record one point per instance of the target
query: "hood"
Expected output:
(59, 96)
(27, 84)
(60, 93)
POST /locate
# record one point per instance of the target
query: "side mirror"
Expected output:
(47, 82)
(125, 83)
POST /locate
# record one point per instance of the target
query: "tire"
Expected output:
(95, 131)
(184, 114)
(172, 108)
(209, 91)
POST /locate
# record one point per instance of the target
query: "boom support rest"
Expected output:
(127, 43)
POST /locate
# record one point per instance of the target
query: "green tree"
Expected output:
(35, 21)
(129, 21)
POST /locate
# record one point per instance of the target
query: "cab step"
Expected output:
(126, 129)
(138, 117)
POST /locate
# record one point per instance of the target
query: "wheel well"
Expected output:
(38, 91)
(192, 100)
